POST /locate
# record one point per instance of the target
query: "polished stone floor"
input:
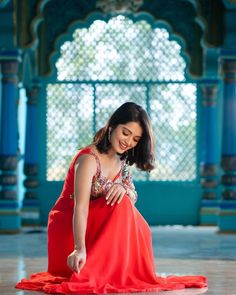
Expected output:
(178, 250)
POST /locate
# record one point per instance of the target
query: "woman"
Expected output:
(98, 242)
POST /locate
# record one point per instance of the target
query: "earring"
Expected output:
(132, 152)
(109, 134)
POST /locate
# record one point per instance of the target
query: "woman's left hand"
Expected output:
(115, 194)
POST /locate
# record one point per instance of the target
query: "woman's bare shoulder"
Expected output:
(86, 161)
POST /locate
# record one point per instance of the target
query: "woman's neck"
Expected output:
(111, 154)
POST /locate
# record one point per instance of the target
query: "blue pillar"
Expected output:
(227, 215)
(30, 208)
(209, 152)
(9, 204)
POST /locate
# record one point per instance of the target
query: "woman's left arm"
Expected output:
(126, 187)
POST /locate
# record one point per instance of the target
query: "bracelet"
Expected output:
(134, 198)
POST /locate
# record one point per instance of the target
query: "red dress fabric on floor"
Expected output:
(118, 245)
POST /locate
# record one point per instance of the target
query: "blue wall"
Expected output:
(159, 203)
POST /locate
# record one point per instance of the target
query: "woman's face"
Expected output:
(125, 137)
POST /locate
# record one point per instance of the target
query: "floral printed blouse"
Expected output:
(101, 184)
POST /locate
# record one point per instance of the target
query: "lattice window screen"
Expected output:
(69, 124)
(173, 114)
(108, 64)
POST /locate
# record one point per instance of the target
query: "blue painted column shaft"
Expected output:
(30, 209)
(227, 216)
(9, 205)
(209, 151)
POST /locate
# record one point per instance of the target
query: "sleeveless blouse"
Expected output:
(101, 184)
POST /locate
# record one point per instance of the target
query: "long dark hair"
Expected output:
(143, 153)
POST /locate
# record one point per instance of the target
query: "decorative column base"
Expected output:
(227, 213)
(209, 212)
(30, 210)
(10, 220)
(210, 202)
(227, 217)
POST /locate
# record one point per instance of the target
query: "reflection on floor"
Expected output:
(178, 250)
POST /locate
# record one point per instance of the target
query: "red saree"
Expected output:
(119, 251)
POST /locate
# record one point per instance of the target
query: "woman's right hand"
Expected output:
(76, 260)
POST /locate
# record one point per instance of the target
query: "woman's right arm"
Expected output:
(85, 169)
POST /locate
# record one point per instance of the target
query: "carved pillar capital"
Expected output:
(33, 92)
(9, 61)
(228, 67)
(209, 90)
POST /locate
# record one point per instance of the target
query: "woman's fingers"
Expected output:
(76, 267)
(78, 264)
(115, 198)
(120, 198)
(76, 261)
(115, 193)
(70, 262)
(111, 194)
(81, 264)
